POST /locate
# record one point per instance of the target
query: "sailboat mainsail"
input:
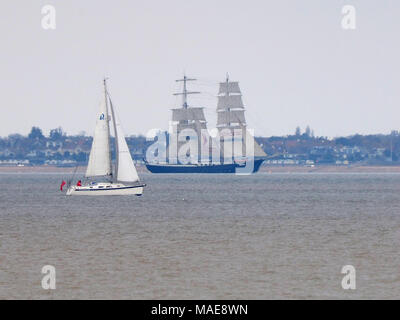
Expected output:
(100, 154)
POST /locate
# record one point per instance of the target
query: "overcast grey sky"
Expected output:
(295, 63)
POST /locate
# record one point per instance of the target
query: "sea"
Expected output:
(264, 236)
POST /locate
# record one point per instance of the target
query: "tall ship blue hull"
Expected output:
(194, 168)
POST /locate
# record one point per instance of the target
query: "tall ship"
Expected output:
(233, 148)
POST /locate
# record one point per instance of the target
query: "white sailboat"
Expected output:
(125, 180)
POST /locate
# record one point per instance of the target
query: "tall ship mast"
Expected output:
(230, 120)
(187, 117)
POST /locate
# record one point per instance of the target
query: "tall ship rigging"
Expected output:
(230, 121)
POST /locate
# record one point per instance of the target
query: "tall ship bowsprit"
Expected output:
(230, 121)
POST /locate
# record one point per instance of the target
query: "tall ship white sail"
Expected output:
(101, 180)
(232, 125)
(237, 149)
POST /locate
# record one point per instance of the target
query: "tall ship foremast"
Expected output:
(187, 117)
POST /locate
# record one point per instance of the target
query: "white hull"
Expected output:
(105, 189)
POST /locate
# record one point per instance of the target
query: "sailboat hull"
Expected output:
(192, 168)
(104, 189)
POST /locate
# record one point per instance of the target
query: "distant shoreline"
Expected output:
(264, 169)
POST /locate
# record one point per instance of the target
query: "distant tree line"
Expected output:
(369, 148)
(60, 147)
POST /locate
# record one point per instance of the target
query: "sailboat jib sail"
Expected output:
(100, 154)
(125, 170)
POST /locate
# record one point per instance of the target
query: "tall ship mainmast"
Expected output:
(233, 135)
(231, 120)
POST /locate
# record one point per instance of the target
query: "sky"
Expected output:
(295, 63)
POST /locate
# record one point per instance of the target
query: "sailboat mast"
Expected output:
(108, 117)
(116, 139)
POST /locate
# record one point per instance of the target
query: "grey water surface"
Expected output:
(265, 236)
